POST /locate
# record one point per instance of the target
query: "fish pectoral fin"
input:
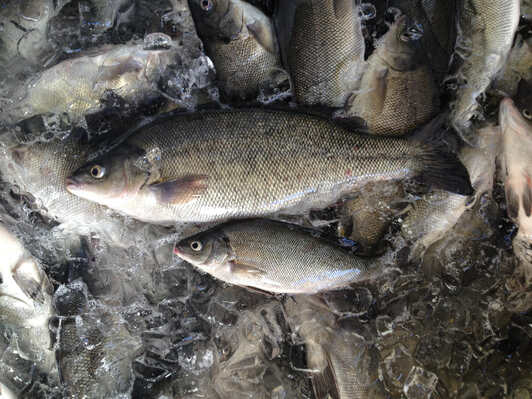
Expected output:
(31, 287)
(247, 270)
(379, 93)
(324, 382)
(180, 191)
(114, 70)
(264, 36)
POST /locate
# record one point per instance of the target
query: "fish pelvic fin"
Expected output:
(180, 191)
(441, 167)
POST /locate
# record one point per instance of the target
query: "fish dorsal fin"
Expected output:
(324, 382)
(264, 36)
(181, 190)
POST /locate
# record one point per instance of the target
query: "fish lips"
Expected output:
(73, 185)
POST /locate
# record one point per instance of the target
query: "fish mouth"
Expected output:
(72, 184)
(177, 251)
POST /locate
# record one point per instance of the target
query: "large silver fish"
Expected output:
(214, 166)
(76, 86)
(486, 34)
(323, 47)
(516, 125)
(25, 303)
(274, 257)
(241, 42)
(397, 92)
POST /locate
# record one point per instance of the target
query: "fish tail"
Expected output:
(441, 167)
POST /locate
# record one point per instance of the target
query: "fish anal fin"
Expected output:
(180, 191)
(264, 36)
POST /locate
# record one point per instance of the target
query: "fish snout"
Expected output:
(72, 184)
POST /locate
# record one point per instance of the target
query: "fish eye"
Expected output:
(196, 246)
(97, 171)
(526, 113)
(206, 5)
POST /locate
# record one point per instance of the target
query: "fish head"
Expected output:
(207, 251)
(114, 177)
(400, 46)
(217, 18)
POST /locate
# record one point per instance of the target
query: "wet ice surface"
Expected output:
(131, 320)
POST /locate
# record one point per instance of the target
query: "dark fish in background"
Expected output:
(397, 92)
(274, 257)
(323, 47)
(241, 42)
(76, 86)
(344, 365)
(486, 33)
(218, 165)
(516, 124)
(434, 215)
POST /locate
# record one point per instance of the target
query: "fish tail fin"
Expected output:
(441, 167)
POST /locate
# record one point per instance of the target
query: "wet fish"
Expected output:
(397, 92)
(273, 257)
(40, 169)
(99, 16)
(25, 302)
(343, 365)
(486, 34)
(323, 47)
(366, 218)
(6, 393)
(218, 165)
(241, 42)
(438, 211)
(516, 125)
(517, 68)
(76, 86)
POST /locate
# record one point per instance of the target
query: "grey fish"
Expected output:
(76, 86)
(40, 169)
(437, 212)
(218, 165)
(241, 42)
(516, 126)
(343, 364)
(323, 48)
(486, 34)
(25, 302)
(274, 257)
(397, 92)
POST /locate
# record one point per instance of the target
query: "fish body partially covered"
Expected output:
(437, 212)
(274, 257)
(222, 165)
(397, 92)
(41, 168)
(344, 365)
(518, 67)
(25, 302)
(487, 29)
(76, 86)
(241, 42)
(323, 47)
(516, 128)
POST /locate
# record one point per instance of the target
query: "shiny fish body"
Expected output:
(323, 47)
(517, 173)
(219, 165)
(241, 42)
(397, 91)
(273, 257)
(487, 29)
(25, 301)
(76, 86)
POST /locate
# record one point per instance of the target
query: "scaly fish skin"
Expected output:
(273, 257)
(487, 29)
(241, 42)
(221, 165)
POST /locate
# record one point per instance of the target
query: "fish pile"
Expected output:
(274, 199)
